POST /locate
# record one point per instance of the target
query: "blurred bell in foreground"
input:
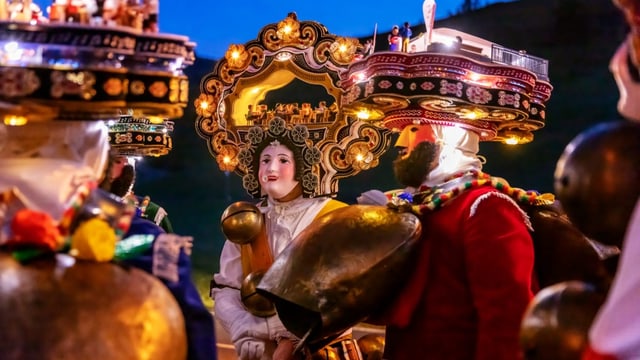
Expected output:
(597, 179)
(57, 307)
(556, 323)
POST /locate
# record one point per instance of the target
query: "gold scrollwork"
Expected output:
(237, 58)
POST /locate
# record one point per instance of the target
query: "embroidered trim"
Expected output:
(483, 197)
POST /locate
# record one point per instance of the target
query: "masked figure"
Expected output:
(281, 168)
(473, 279)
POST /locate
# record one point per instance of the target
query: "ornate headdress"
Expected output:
(233, 108)
(471, 83)
(140, 136)
(103, 72)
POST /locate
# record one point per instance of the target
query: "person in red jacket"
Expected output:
(474, 276)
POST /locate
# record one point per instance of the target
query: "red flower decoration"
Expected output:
(34, 228)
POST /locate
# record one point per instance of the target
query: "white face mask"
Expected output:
(277, 171)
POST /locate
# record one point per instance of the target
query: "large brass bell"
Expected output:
(241, 222)
(597, 179)
(345, 266)
(255, 303)
(58, 308)
(556, 323)
(326, 353)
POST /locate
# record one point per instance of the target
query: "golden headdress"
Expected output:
(237, 102)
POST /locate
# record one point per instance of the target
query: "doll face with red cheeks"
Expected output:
(277, 171)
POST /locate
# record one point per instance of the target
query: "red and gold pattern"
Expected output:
(500, 102)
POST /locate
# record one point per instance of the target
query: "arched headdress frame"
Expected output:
(233, 100)
(306, 156)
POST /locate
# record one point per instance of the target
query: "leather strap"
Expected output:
(256, 255)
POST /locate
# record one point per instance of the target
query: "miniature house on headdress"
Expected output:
(237, 96)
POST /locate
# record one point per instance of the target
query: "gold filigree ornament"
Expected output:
(237, 57)
(289, 30)
(344, 49)
(258, 85)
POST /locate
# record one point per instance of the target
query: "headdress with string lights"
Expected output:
(247, 97)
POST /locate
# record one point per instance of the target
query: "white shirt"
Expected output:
(284, 221)
(616, 327)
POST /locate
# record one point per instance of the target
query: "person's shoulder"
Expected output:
(336, 203)
(142, 226)
(474, 196)
(329, 205)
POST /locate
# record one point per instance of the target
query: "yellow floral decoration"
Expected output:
(94, 240)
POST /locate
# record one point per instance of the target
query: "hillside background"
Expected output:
(577, 37)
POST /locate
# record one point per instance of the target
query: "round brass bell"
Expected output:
(59, 309)
(597, 179)
(557, 321)
(255, 303)
(371, 346)
(241, 222)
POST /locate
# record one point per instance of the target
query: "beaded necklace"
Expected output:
(433, 198)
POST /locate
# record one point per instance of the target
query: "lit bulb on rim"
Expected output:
(15, 120)
(363, 114)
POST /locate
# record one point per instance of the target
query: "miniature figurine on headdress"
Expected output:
(395, 39)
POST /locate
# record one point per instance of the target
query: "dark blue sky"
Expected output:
(216, 24)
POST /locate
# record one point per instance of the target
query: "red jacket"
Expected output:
(473, 281)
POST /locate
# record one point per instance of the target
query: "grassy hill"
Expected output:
(577, 37)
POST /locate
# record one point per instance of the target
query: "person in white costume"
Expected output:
(275, 158)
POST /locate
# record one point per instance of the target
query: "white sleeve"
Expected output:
(228, 307)
(616, 327)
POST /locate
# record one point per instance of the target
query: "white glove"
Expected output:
(249, 348)
(276, 329)
(629, 101)
(372, 197)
